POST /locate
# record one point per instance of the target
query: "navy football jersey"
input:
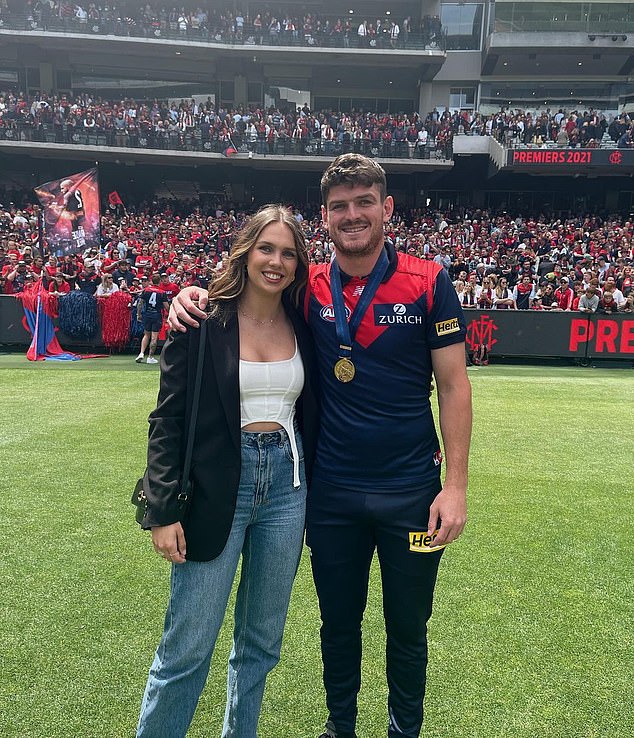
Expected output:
(377, 431)
(154, 298)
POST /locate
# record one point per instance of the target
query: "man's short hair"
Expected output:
(351, 170)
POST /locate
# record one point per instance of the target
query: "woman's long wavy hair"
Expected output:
(225, 290)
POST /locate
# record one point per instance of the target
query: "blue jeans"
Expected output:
(267, 530)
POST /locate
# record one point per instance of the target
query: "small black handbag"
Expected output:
(139, 499)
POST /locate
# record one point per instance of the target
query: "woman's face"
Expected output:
(272, 260)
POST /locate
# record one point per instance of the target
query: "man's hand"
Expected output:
(169, 542)
(450, 508)
(190, 301)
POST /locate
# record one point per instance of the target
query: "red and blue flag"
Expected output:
(39, 311)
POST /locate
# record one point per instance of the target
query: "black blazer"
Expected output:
(215, 472)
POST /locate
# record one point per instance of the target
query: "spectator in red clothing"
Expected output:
(564, 295)
(523, 292)
(58, 285)
(485, 294)
(168, 287)
(578, 291)
(37, 267)
(51, 266)
(607, 304)
(144, 262)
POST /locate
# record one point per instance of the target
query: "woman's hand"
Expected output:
(169, 542)
(183, 304)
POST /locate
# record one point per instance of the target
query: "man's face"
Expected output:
(355, 216)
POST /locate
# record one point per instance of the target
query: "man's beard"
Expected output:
(375, 238)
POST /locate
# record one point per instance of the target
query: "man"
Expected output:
(124, 272)
(564, 295)
(524, 292)
(169, 288)
(16, 278)
(88, 280)
(153, 299)
(376, 482)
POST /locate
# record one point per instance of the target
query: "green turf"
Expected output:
(532, 630)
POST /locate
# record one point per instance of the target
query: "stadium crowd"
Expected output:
(200, 126)
(259, 23)
(197, 125)
(496, 260)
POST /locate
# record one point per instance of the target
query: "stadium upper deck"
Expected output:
(397, 56)
(400, 56)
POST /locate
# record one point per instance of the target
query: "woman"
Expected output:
(502, 296)
(485, 294)
(107, 286)
(467, 296)
(248, 478)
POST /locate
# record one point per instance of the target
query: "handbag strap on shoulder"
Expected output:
(194, 410)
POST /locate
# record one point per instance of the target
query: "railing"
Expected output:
(200, 140)
(170, 31)
(565, 25)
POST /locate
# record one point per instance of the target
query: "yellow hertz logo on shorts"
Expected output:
(420, 542)
(447, 326)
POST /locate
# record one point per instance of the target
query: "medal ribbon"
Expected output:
(347, 331)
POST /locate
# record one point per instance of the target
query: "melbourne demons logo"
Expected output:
(327, 313)
(481, 332)
(616, 157)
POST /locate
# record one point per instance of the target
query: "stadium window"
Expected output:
(462, 98)
(400, 106)
(33, 78)
(462, 24)
(327, 103)
(227, 92)
(363, 103)
(254, 93)
(64, 79)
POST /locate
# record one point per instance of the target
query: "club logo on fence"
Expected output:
(480, 331)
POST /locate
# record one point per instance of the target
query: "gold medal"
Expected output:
(344, 370)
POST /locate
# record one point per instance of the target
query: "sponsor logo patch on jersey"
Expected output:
(443, 327)
(327, 313)
(437, 458)
(397, 314)
(421, 542)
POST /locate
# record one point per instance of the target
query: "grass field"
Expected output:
(532, 630)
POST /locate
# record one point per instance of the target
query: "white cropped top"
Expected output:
(268, 391)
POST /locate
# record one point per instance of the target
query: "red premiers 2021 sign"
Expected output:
(621, 161)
